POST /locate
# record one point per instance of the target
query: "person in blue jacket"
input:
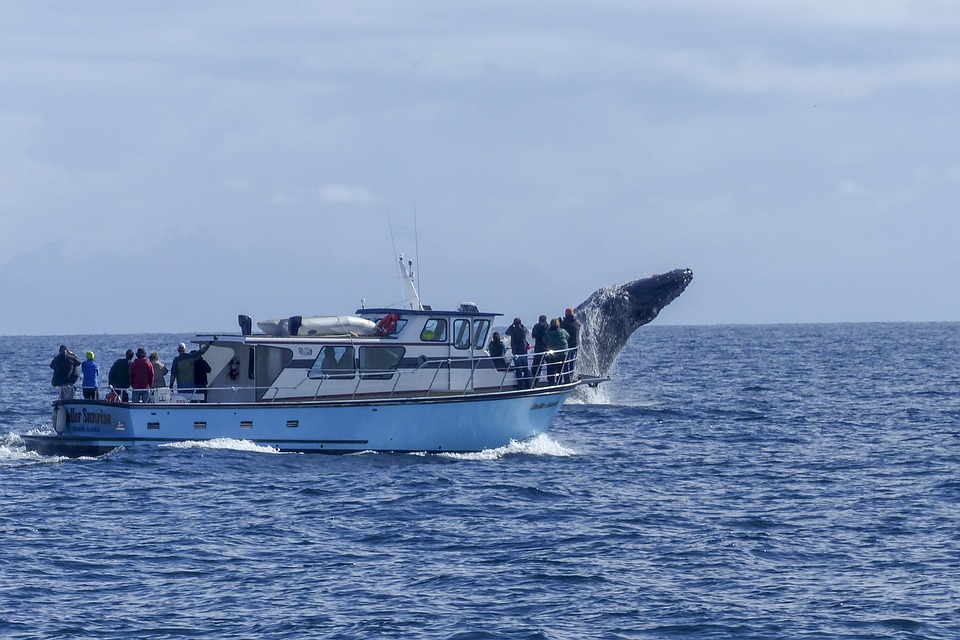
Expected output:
(91, 377)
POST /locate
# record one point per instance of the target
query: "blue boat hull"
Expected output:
(447, 424)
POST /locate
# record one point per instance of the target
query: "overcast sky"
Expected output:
(167, 165)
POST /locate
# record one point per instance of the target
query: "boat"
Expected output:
(405, 378)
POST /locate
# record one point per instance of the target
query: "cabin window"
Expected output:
(379, 363)
(480, 329)
(270, 362)
(461, 334)
(435, 330)
(333, 362)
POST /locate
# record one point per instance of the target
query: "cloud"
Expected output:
(345, 194)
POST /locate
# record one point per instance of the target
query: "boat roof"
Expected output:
(472, 311)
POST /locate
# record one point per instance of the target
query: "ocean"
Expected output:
(790, 481)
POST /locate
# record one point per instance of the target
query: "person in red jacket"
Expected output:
(141, 377)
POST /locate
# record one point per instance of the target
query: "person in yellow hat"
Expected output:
(91, 377)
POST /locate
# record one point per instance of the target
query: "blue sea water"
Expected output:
(797, 481)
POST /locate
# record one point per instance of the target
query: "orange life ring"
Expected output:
(387, 324)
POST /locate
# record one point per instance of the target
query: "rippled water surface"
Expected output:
(731, 482)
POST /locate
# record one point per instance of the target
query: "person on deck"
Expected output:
(159, 371)
(181, 370)
(119, 376)
(519, 347)
(141, 377)
(200, 370)
(64, 366)
(497, 349)
(539, 335)
(556, 349)
(91, 377)
(571, 325)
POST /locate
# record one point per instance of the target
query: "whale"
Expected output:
(611, 314)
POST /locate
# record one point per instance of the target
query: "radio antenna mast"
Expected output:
(416, 238)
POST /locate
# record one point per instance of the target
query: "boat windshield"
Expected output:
(480, 329)
(434, 330)
(333, 362)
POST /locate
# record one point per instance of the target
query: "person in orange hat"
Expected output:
(572, 327)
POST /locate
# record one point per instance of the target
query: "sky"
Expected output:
(166, 166)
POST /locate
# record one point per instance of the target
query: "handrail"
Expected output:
(272, 393)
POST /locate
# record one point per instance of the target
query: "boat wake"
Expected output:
(230, 444)
(13, 452)
(542, 445)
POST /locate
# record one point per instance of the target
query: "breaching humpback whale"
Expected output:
(610, 316)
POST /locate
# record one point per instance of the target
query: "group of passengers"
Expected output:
(135, 376)
(555, 344)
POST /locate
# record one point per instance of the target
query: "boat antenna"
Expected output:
(393, 241)
(416, 240)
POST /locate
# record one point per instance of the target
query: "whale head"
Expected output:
(610, 316)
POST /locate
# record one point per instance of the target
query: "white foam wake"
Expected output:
(222, 443)
(541, 445)
(13, 451)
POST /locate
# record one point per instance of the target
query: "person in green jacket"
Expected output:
(556, 338)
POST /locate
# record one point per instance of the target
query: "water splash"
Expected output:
(541, 445)
(591, 395)
(222, 443)
(13, 452)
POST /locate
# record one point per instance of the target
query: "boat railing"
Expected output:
(516, 372)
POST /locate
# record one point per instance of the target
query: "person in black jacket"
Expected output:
(119, 376)
(539, 335)
(497, 349)
(65, 374)
(572, 326)
(519, 347)
(200, 370)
